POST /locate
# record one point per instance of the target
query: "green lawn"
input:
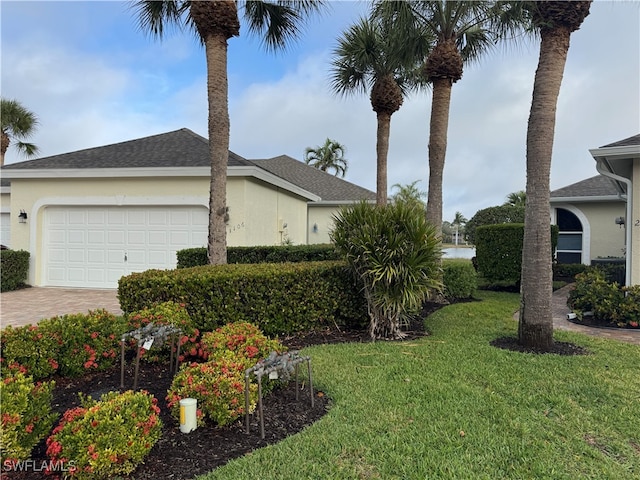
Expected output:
(451, 406)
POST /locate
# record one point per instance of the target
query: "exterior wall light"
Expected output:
(620, 221)
(22, 217)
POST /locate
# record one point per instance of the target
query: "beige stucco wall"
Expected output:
(255, 207)
(634, 224)
(601, 236)
(322, 216)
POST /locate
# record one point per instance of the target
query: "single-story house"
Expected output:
(600, 217)
(91, 216)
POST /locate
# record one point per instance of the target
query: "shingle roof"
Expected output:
(180, 148)
(185, 148)
(326, 186)
(598, 186)
(634, 140)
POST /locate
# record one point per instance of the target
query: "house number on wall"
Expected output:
(235, 227)
(636, 223)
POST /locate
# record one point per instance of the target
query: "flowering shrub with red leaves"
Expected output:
(169, 313)
(32, 348)
(25, 414)
(218, 386)
(241, 341)
(69, 345)
(108, 437)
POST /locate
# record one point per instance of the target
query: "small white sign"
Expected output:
(147, 343)
(273, 375)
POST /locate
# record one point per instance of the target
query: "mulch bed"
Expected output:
(179, 456)
(183, 456)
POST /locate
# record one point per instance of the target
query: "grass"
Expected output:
(451, 406)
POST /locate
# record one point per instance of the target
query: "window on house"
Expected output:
(569, 237)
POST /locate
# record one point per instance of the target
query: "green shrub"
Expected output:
(14, 265)
(395, 253)
(69, 345)
(499, 251)
(168, 313)
(26, 415)
(108, 437)
(568, 270)
(37, 351)
(493, 216)
(88, 342)
(193, 257)
(240, 341)
(460, 279)
(609, 302)
(279, 298)
(218, 386)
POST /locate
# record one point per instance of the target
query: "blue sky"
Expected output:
(93, 79)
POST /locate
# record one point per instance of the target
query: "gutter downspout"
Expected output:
(600, 167)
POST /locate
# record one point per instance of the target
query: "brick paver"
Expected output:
(30, 305)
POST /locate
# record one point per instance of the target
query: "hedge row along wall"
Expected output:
(194, 257)
(278, 298)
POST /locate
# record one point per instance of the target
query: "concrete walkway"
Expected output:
(30, 305)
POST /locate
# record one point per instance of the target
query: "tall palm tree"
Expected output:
(329, 156)
(517, 199)
(215, 22)
(372, 56)
(555, 21)
(18, 124)
(463, 33)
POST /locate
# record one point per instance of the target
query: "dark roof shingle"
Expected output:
(180, 148)
(634, 140)
(598, 186)
(326, 186)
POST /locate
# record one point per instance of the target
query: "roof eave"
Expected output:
(583, 199)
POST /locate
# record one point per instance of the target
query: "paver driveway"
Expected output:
(30, 305)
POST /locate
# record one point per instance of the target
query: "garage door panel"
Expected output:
(96, 246)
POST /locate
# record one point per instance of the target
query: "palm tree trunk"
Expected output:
(382, 151)
(439, 125)
(217, 91)
(536, 321)
(4, 145)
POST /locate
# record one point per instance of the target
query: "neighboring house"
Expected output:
(600, 217)
(95, 215)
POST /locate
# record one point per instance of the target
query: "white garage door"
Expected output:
(5, 230)
(95, 246)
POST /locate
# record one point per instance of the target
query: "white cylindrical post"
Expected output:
(188, 418)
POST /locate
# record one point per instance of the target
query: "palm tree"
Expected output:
(18, 124)
(409, 194)
(463, 33)
(329, 156)
(516, 199)
(458, 221)
(215, 22)
(555, 21)
(372, 56)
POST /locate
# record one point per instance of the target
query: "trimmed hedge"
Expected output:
(14, 265)
(194, 257)
(278, 298)
(460, 279)
(499, 250)
(493, 216)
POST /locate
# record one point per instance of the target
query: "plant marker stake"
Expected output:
(260, 412)
(310, 381)
(135, 375)
(246, 399)
(122, 362)
(173, 336)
